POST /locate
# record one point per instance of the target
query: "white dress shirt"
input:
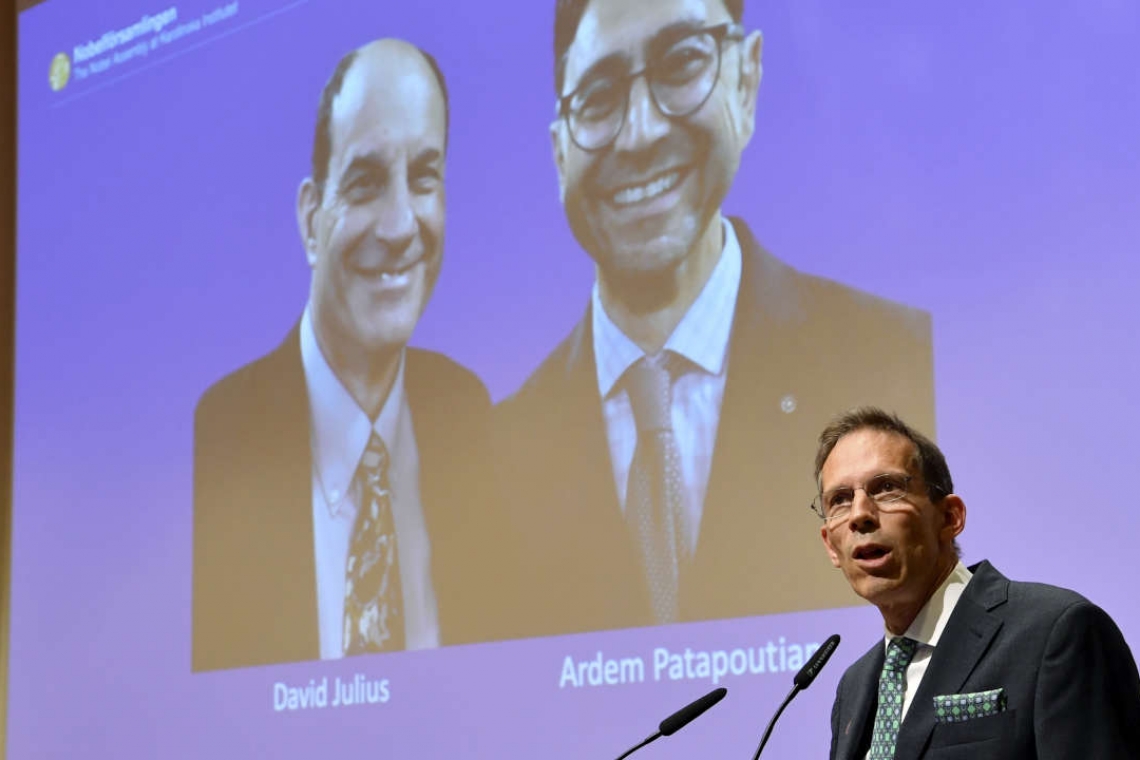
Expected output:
(340, 433)
(928, 626)
(701, 339)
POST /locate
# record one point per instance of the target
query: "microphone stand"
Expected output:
(802, 680)
(639, 746)
(772, 723)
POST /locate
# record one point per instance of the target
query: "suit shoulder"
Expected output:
(444, 377)
(853, 297)
(1045, 593)
(1045, 600)
(251, 397)
(799, 297)
(1068, 625)
(1041, 609)
(548, 380)
(233, 392)
(841, 304)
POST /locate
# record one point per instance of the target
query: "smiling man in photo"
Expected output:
(337, 479)
(654, 460)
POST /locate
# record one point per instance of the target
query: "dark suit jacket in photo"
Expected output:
(802, 349)
(255, 598)
(1070, 681)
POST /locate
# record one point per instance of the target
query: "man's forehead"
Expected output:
(868, 449)
(625, 27)
(388, 103)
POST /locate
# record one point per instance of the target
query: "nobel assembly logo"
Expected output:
(60, 71)
(110, 48)
(113, 39)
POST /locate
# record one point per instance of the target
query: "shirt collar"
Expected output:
(931, 620)
(340, 428)
(701, 336)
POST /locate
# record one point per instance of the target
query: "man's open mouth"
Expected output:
(659, 184)
(870, 552)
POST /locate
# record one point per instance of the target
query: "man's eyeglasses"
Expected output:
(835, 504)
(680, 80)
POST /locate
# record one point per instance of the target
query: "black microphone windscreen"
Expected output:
(818, 659)
(689, 712)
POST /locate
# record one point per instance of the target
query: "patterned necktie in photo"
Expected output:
(654, 493)
(892, 689)
(373, 599)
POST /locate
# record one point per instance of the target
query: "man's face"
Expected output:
(375, 233)
(641, 203)
(893, 555)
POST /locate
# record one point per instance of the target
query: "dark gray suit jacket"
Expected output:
(255, 599)
(802, 349)
(1069, 677)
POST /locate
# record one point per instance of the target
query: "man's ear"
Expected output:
(308, 202)
(954, 518)
(831, 552)
(558, 146)
(751, 72)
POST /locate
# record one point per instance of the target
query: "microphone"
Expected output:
(681, 718)
(802, 680)
(690, 712)
(818, 659)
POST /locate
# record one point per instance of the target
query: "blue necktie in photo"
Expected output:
(655, 491)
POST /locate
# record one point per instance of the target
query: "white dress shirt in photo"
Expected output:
(340, 433)
(700, 340)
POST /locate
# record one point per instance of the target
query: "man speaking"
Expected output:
(335, 479)
(652, 457)
(972, 664)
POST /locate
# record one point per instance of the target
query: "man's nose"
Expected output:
(395, 224)
(644, 123)
(864, 510)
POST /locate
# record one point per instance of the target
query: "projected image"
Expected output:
(447, 381)
(621, 500)
(656, 456)
(335, 479)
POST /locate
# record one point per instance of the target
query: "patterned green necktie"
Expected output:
(373, 601)
(892, 689)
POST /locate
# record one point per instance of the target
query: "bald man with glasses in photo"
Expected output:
(653, 461)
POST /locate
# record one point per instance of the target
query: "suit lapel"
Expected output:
(450, 418)
(968, 635)
(751, 395)
(609, 576)
(590, 444)
(749, 417)
(429, 418)
(590, 470)
(753, 490)
(432, 417)
(857, 717)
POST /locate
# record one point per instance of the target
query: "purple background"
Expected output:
(982, 165)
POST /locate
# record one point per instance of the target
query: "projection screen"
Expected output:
(930, 208)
